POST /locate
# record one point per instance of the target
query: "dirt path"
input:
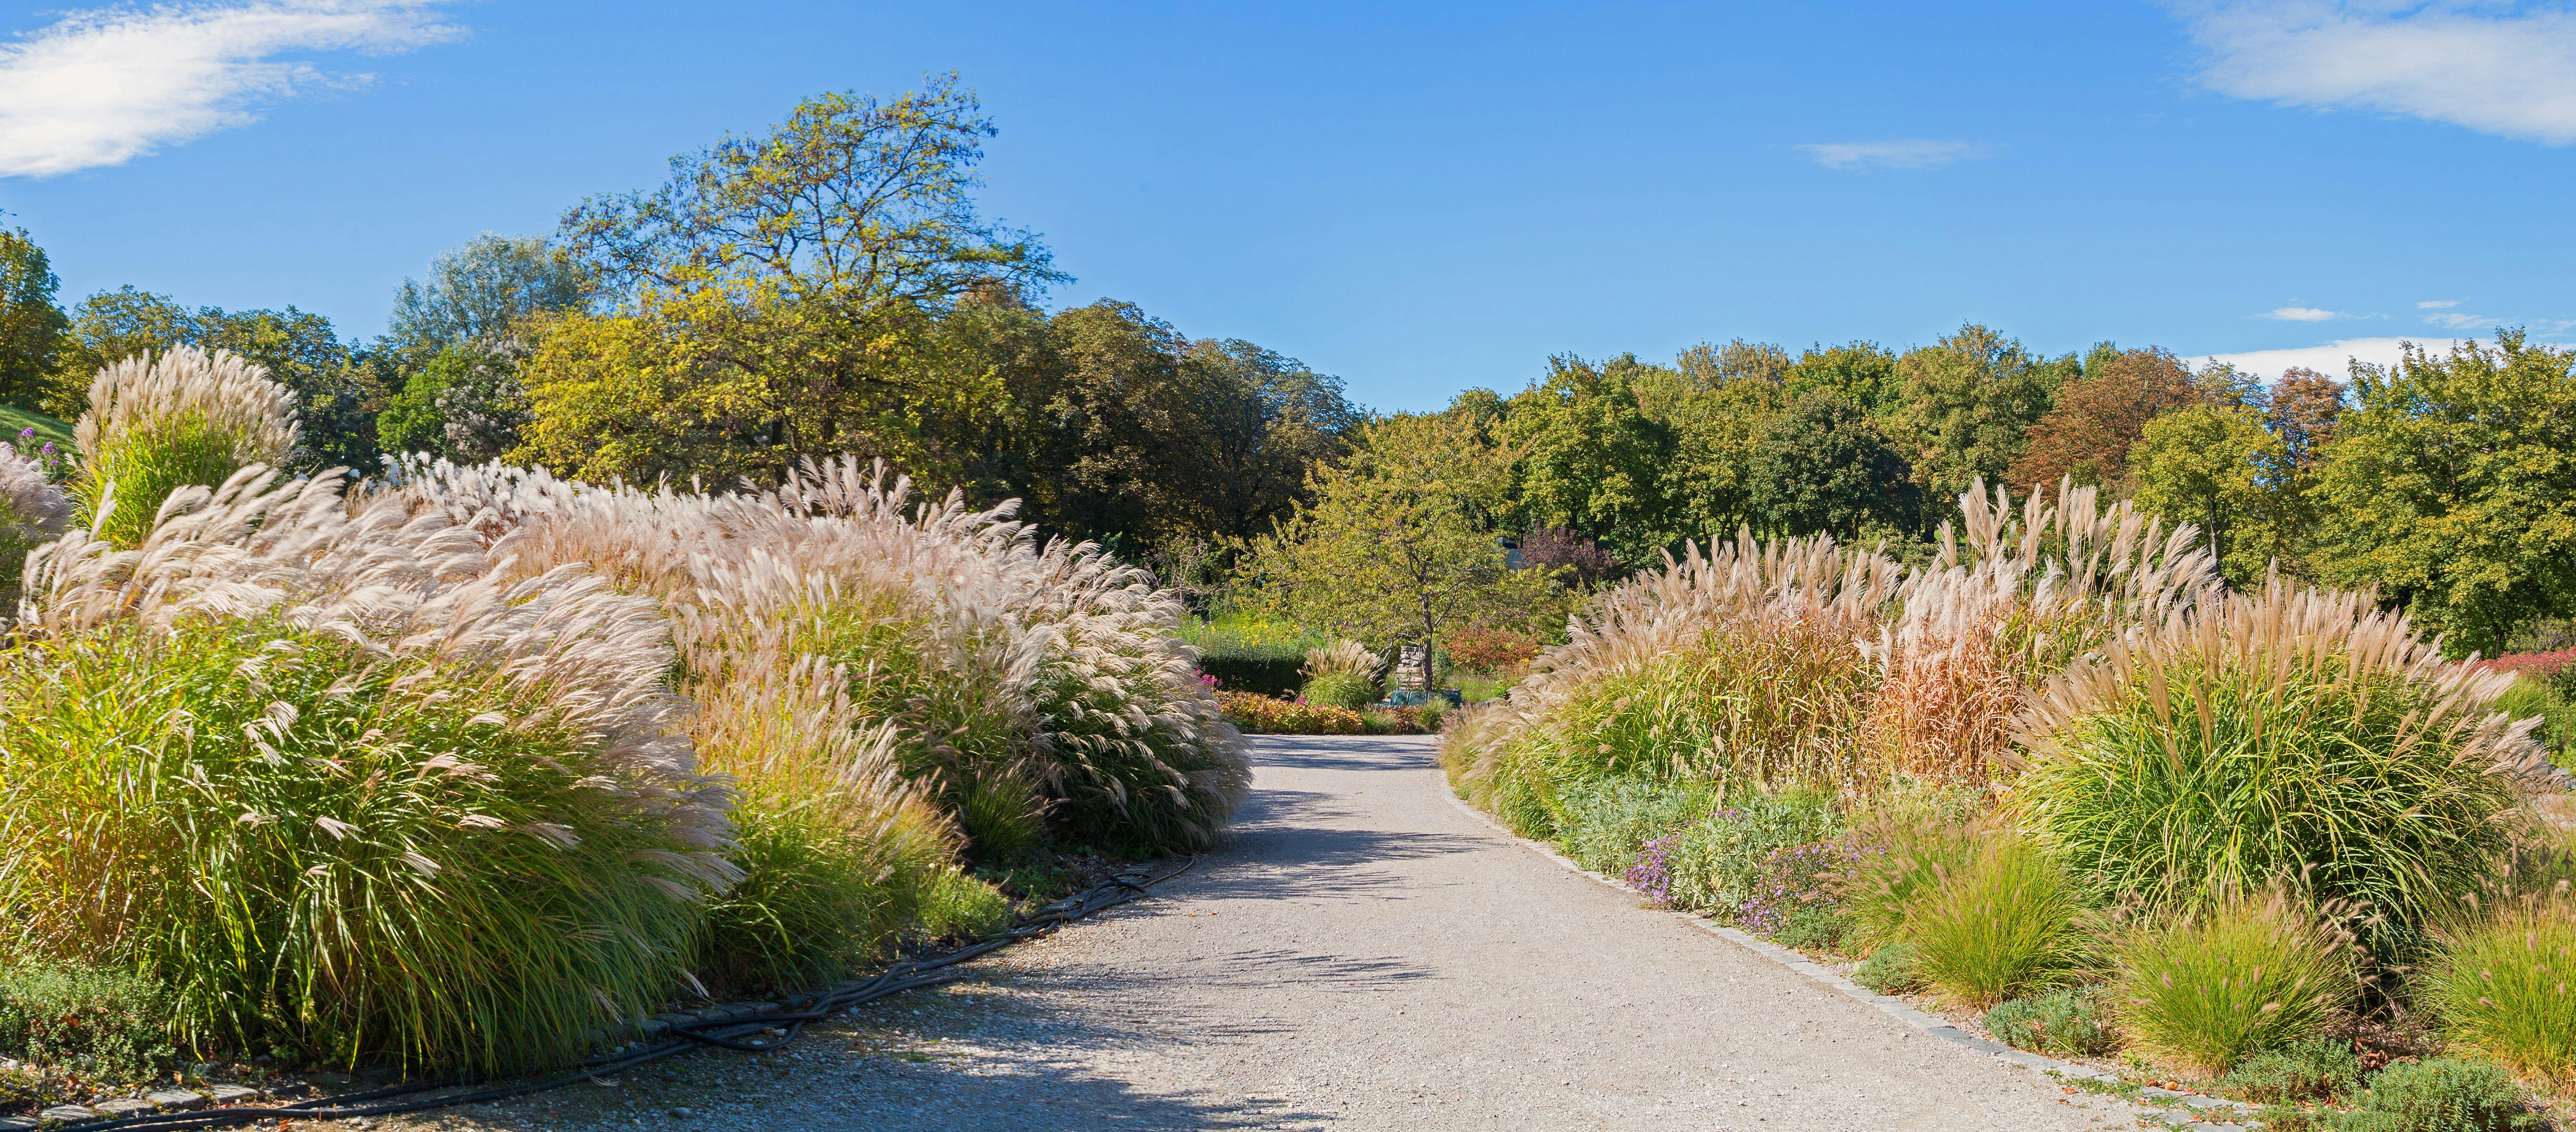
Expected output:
(1362, 955)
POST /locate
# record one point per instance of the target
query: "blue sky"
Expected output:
(1418, 197)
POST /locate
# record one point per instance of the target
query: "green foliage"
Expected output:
(955, 904)
(2066, 1022)
(482, 290)
(2217, 467)
(1605, 820)
(2001, 925)
(1717, 863)
(2212, 989)
(2546, 698)
(31, 326)
(1894, 968)
(2442, 1095)
(2451, 489)
(1399, 543)
(1971, 398)
(1824, 467)
(1266, 715)
(465, 405)
(108, 1024)
(2317, 1070)
(2499, 987)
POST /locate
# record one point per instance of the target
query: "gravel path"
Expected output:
(1363, 955)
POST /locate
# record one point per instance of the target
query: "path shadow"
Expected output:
(1289, 843)
(1344, 752)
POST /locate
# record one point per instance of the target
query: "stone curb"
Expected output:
(1894, 1007)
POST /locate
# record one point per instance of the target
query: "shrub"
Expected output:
(2001, 925)
(1797, 894)
(341, 786)
(1716, 862)
(1486, 650)
(2442, 1095)
(2213, 987)
(2064, 1023)
(2251, 737)
(957, 905)
(1262, 715)
(2306, 1070)
(2501, 988)
(1262, 664)
(186, 418)
(2546, 699)
(1608, 820)
(1892, 969)
(113, 1025)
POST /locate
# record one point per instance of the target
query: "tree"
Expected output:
(1971, 399)
(337, 395)
(1399, 543)
(2301, 410)
(2087, 434)
(1824, 468)
(1859, 372)
(466, 405)
(852, 200)
(1589, 457)
(2451, 487)
(2218, 467)
(482, 290)
(31, 326)
(784, 292)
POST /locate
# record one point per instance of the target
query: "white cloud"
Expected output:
(2302, 314)
(1900, 153)
(2436, 304)
(105, 86)
(2481, 65)
(2331, 359)
(2455, 320)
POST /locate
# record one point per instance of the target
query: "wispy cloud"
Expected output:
(2332, 358)
(2484, 66)
(2437, 304)
(2302, 314)
(1898, 153)
(2458, 320)
(102, 87)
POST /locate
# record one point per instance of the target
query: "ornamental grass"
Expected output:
(345, 787)
(156, 425)
(2504, 987)
(2244, 975)
(2003, 924)
(2281, 733)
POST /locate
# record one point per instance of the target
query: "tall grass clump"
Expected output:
(2004, 924)
(156, 425)
(1342, 674)
(1004, 662)
(2252, 973)
(2008, 599)
(344, 786)
(1734, 668)
(2504, 987)
(2281, 733)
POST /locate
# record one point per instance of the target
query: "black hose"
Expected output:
(730, 1035)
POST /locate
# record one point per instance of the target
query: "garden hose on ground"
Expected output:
(733, 1034)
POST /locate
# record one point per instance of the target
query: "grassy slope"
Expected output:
(14, 419)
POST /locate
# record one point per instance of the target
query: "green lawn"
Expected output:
(15, 420)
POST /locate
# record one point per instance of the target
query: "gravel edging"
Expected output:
(1897, 1008)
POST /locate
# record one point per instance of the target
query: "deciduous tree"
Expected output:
(2450, 487)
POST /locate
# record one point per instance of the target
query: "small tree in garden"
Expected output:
(1399, 543)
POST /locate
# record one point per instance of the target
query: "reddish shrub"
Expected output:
(1484, 650)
